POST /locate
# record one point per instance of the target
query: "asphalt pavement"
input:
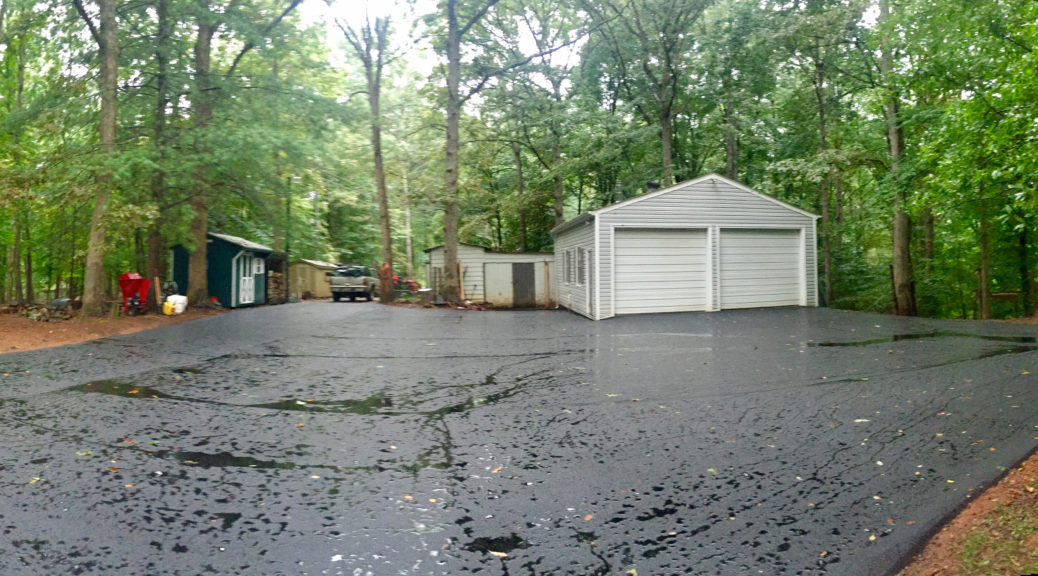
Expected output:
(361, 439)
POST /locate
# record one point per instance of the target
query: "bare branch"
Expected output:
(86, 18)
(250, 44)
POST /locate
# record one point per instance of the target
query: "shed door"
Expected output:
(246, 280)
(497, 279)
(524, 285)
(760, 268)
(660, 270)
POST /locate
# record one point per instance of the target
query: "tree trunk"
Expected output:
(15, 262)
(94, 281)
(520, 195)
(5, 270)
(984, 271)
(904, 292)
(197, 290)
(386, 251)
(904, 296)
(928, 231)
(1026, 282)
(826, 237)
(559, 195)
(667, 145)
(370, 46)
(156, 243)
(409, 246)
(30, 291)
(450, 288)
(731, 141)
(823, 192)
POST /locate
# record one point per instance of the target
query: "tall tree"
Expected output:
(653, 40)
(370, 45)
(461, 20)
(901, 269)
(203, 100)
(104, 33)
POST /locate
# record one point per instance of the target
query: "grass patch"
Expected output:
(1006, 541)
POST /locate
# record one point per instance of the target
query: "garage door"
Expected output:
(660, 271)
(760, 268)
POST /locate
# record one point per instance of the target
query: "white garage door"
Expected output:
(660, 270)
(760, 268)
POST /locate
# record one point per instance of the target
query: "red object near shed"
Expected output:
(135, 293)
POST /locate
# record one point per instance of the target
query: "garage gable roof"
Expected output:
(573, 222)
(715, 177)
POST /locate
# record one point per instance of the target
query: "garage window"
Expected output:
(582, 258)
(570, 271)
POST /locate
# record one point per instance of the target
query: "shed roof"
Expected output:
(483, 248)
(316, 263)
(247, 244)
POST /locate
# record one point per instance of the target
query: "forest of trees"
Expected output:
(366, 135)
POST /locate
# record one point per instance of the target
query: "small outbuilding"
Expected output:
(236, 269)
(308, 278)
(704, 245)
(503, 279)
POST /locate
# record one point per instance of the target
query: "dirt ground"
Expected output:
(940, 557)
(18, 333)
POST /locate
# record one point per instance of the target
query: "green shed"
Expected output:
(237, 270)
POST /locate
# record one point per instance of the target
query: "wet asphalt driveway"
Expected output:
(359, 439)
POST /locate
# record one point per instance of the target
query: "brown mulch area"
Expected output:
(18, 333)
(940, 556)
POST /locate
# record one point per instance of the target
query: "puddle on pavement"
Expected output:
(501, 544)
(926, 335)
(118, 388)
(374, 404)
(229, 518)
(226, 459)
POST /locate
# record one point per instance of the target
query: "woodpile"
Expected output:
(276, 287)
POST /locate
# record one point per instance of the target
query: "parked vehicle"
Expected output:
(352, 281)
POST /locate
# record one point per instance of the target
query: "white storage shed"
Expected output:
(703, 245)
(504, 279)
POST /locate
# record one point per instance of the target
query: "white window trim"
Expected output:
(581, 268)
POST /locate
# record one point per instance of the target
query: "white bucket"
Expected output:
(179, 303)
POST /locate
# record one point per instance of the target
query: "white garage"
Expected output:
(704, 245)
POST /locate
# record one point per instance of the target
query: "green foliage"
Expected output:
(286, 157)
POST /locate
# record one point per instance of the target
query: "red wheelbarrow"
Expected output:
(135, 293)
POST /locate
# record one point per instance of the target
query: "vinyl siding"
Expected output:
(709, 203)
(760, 268)
(578, 298)
(473, 260)
(660, 270)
